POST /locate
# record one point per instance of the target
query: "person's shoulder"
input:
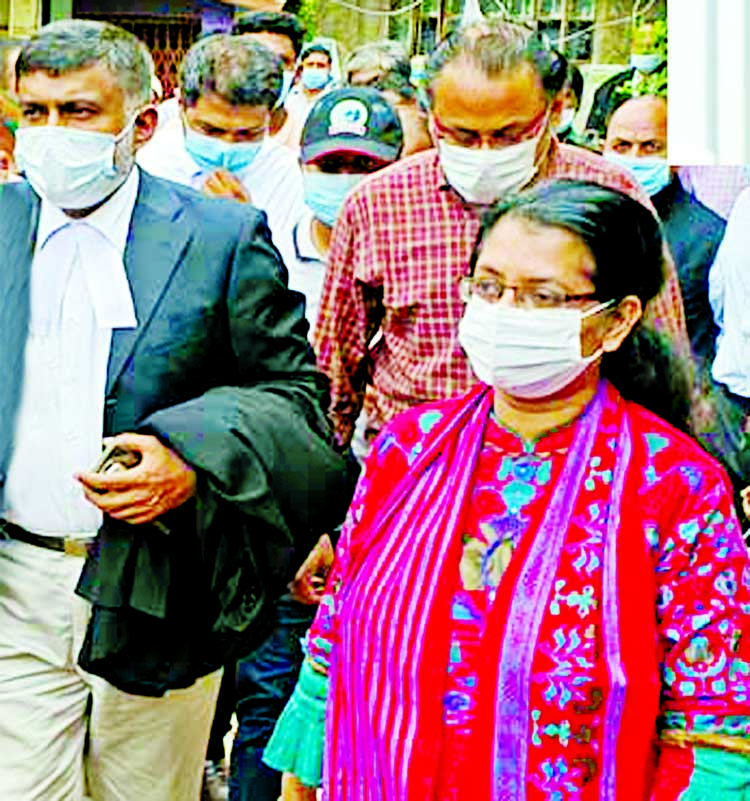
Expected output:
(17, 203)
(165, 154)
(666, 448)
(420, 170)
(203, 212)
(17, 193)
(704, 222)
(413, 428)
(276, 156)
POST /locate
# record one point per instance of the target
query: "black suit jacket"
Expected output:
(218, 368)
(693, 233)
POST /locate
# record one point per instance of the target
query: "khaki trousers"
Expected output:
(139, 749)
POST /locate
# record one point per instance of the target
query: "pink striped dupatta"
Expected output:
(389, 661)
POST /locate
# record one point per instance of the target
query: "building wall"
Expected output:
(709, 83)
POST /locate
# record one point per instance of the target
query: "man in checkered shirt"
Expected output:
(386, 332)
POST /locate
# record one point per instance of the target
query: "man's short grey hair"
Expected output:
(383, 56)
(236, 68)
(74, 44)
(498, 47)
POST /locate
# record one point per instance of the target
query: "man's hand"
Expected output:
(223, 183)
(162, 481)
(746, 501)
(310, 581)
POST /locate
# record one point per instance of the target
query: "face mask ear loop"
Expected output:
(129, 127)
(596, 309)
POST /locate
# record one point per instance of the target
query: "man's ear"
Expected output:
(145, 125)
(624, 317)
(278, 118)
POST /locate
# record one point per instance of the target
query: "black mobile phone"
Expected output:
(115, 458)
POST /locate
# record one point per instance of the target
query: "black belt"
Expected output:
(67, 545)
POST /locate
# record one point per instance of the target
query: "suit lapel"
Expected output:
(157, 240)
(19, 216)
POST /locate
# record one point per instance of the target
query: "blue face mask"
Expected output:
(325, 193)
(315, 77)
(210, 153)
(652, 173)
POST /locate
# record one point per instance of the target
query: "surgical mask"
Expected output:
(287, 79)
(566, 120)
(652, 173)
(315, 77)
(72, 168)
(528, 353)
(325, 193)
(646, 63)
(211, 153)
(482, 175)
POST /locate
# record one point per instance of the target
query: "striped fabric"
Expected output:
(621, 613)
(390, 653)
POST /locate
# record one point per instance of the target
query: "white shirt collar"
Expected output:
(97, 243)
(112, 219)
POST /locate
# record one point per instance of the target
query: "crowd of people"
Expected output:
(400, 417)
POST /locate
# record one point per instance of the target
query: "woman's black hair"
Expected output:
(625, 240)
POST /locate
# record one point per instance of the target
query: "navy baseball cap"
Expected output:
(354, 120)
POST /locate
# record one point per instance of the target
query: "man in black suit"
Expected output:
(138, 310)
(637, 140)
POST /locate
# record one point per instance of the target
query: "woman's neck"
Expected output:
(532, 418)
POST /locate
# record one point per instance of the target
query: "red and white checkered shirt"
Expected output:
(400, 245)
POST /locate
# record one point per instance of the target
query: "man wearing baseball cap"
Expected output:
(350, 133)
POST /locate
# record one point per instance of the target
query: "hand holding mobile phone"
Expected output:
(115, 458)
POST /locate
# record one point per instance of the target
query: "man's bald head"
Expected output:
(639, 128)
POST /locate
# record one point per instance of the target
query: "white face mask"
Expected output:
(72, 168)
(482, 175)
(528, 353)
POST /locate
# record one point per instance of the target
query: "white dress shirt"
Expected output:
(308, 270)
(273, 179)
(729, 295)
(79, 293)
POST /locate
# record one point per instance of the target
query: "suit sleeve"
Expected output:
(264, 444)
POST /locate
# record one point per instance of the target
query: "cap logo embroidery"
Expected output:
(349, 116)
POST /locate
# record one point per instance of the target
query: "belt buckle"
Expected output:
(76, 547)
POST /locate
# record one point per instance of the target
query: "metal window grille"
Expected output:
(168, 39)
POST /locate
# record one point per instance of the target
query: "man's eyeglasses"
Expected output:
(511, 135)
(525, 297)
